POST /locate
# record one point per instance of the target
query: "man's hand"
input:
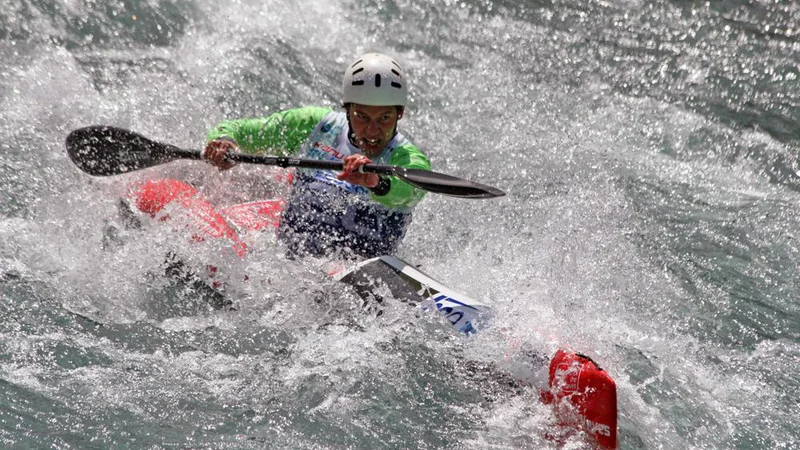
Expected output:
(351, 174)
(217, 151)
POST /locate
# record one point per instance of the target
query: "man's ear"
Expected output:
(400, 112)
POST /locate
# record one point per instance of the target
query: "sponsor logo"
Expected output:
(329, 150)
(455, 313)
(598, 428)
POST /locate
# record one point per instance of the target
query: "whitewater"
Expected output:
(648, 150)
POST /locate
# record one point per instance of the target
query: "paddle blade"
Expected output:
(446, 184)
(103, 150)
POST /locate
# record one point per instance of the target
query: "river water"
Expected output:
(648, 150)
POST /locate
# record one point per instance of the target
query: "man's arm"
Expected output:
(280, 133)
(400, 193)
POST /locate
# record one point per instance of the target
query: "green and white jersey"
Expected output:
(321, 207)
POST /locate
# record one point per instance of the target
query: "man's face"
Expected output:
(373, 126)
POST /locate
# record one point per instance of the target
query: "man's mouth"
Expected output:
(372, 141)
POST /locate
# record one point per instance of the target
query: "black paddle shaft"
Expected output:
(104, 150)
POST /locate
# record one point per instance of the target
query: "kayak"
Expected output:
(583, 395)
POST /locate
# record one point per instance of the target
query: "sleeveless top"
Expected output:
(325, 215)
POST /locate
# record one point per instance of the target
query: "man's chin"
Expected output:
(371, 149)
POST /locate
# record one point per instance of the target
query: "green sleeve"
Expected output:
(402, 194)
(279, 133)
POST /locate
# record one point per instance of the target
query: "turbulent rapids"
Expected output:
(647, 150)
(583, 395)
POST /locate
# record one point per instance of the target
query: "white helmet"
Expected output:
(375, 80)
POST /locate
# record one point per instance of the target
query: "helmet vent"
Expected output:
(396, 73)
(377, 80)
(359, 70)
(358, 83)
(397, 85)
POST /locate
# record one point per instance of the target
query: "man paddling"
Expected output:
(351, 213)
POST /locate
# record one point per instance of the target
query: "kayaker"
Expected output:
(351, 213)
